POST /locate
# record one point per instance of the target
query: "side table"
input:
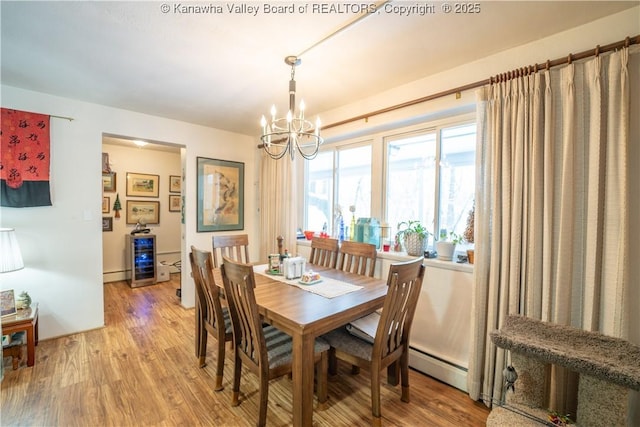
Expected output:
(24, 320)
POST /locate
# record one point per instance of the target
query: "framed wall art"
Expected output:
(175, 184)
(142, 185)
(109, 182)
(143, 211)
(107, 223)
(106, 204)
(7, 303)
(220, 195)
(175, 203)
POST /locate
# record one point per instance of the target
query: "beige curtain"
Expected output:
(552, 215)
(278, 204)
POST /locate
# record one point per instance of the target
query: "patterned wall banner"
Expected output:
(24, 159)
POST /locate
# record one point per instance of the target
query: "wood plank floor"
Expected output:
(140, 370)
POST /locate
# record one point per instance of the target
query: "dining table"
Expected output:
(306, 315)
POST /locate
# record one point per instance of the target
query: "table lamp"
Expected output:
(10, 256)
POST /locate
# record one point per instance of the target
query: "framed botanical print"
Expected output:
(175, 203)
(143, 211)
(109, 182)
(220, 195)
(142, 185)
(175, 184)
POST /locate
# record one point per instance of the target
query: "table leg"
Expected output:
(31, 346)
(303, 352)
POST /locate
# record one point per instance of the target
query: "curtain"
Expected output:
(552, 217)
(278, 204)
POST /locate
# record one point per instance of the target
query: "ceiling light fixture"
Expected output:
(293, 132)
(140, 143)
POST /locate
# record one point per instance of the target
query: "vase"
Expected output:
(445, 250)
(470, 254)
(415, 244)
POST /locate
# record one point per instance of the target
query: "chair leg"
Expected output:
(237, 370)
(375, 396)
(220, 364)
(264, 396)
(321, 378)
(404, 377)
(333, 361)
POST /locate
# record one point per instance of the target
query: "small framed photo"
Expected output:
(175, 203)
(7, 303)
(142, 185)
(109, 182)
(107, 223)
(143, 211)
(106, 204)
(175, 184)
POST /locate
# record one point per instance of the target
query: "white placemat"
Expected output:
(328, 288)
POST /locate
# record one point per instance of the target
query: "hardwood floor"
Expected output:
(141, 370)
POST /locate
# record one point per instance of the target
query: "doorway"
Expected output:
(159, 166)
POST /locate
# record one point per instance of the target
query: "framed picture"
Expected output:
(143, 211)
(220, 195)
(107, 223)
(175, 203)
(105, 163)
(109, 182)
(175, 184)
(106, 204)
(7, 303)
(142, 185)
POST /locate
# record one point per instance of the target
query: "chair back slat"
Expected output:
(207, 292)
(358, 258)
(324, 252)
(234, 246)
(404, 282)
(239, 284)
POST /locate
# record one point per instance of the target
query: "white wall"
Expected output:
(168, 232)
(62, 244)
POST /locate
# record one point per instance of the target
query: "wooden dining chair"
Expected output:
(358, 258)
(391, 341)
(234, 246)
(324, 252)
(211, 317)
(264, 349)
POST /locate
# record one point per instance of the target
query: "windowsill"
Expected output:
(429, 262)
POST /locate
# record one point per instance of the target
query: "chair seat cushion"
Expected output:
(280, 346)
(228, 328)
(342, 340)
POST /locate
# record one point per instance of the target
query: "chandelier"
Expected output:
(293, 132)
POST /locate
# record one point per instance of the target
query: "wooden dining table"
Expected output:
(305, 316)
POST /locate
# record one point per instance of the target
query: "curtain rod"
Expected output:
(62, 117)
(537, 67)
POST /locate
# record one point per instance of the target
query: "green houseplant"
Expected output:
(446, 246)
(414, 236)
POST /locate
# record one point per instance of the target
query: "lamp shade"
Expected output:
(10, 256)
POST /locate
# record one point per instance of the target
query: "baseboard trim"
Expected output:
(438, 368)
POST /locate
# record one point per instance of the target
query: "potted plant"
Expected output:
(414, 237)
(469, 233)
(446, 246)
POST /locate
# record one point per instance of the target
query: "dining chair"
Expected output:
(391, 341)
(324, 252)
(234, 246)
(211, 317)
(264, 349)
(358, 258)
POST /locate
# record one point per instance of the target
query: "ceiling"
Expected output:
(226, 69)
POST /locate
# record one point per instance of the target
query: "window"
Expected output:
(426, 175)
